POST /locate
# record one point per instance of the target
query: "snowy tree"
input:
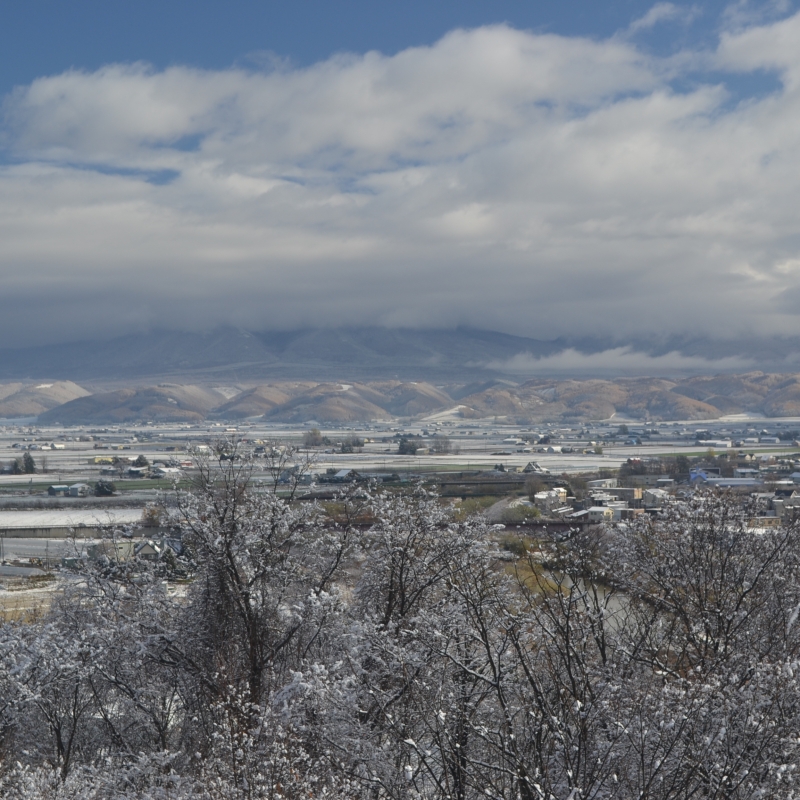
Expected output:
(389, 650)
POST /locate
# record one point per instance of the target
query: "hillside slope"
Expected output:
(534, 401)
(166, 403)
(21, 400)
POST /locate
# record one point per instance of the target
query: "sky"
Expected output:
(549, 169)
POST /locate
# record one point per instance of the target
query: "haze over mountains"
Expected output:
(372, 353)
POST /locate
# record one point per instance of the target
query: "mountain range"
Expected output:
(334, 403)
(362, 374)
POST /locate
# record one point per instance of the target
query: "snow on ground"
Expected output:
(68, 517)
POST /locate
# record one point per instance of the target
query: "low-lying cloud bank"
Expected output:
(617, 361)
(538, 184)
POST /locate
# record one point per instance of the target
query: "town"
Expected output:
(59, 480)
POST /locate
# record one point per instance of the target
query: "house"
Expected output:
(345, 475)
(563, 511)
(619, 509)
(599, 514)
(80, 490)
(114, 551)
(600, 499)
(534, 468)
(58, 490)
(786, 503)
(551, 499)
(654, 498)
(630, 495)
(150, 550)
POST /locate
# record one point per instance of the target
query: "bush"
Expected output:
(312, 438)
(352, 444)
(104, 488)
(408, 445)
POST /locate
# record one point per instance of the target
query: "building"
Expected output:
(599, 514)
(550, 499)
(602, 483)
(654, 498)
(631, 495)
(533, 468)
(113, 551)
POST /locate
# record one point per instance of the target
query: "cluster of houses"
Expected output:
(605, 501)
(36, 446)
(130, 467)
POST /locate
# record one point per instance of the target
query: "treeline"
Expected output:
(22, 466)
(311, 658)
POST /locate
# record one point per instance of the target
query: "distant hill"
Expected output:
(157, 403)
(533, 401)
(256, 401)
(543, 400)
(21, 400)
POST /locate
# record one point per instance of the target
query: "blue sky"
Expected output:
(46, 37)
(548, 169)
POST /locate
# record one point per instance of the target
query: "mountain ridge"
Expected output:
(534, 401)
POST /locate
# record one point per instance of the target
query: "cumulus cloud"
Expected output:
(543, 185)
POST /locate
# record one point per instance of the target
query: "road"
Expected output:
(13, 549)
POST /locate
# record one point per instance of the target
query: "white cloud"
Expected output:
(662, 12)
(537, 184)
(617, 361)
